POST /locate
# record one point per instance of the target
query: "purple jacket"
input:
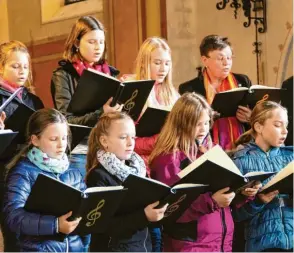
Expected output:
(214, 227)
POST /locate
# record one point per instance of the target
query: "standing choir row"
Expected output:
(112, 152)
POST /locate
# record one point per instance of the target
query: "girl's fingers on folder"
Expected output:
(107, 108)
(222, 198)
(120, 107)
(249, 192)
(2, 118)
(154, 204)
(257, 186)
(153, 214)
(268, 197)
(65, 226)
(252, 191)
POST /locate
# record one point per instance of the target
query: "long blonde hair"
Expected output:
(143, 70)
(82, 26)
(261, 112)
(179, 130)
(6, 49)
(100, 129)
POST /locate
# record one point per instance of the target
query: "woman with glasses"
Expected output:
(217, 58)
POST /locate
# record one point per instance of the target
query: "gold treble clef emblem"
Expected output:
(94, 215)
(129, 104)
(264, 98)
(174, 206)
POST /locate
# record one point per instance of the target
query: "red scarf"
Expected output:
(225, 130)
(80, 66)
(11, 87)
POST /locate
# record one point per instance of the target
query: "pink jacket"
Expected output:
(144, 147)
(214, 227)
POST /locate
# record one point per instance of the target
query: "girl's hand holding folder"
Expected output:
(251, 192)
(222, 198)
(153, 214)
(268, 197)
(66, 227)
(108, 108)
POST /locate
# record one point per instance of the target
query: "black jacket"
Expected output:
(63, 85)
(127, 233)
(28, 99)
(197, 84)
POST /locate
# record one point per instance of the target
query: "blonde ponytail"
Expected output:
(244, 138)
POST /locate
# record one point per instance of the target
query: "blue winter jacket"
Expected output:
(267, 225)
(38, 232)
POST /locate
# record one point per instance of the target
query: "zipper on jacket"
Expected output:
(224, 229)
(287, 242)
(144, 243)
(66, 241)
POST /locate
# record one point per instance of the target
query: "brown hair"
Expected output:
(100, 129)
(82, 26)
(16, 46)
(261, 112)
(178, 132)
(37, 123)
(213, 42)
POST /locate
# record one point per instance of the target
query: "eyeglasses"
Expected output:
(221, 59)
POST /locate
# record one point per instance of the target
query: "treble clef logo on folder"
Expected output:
(174, 206)
(94, 215)
(129, 104)
(264, 98)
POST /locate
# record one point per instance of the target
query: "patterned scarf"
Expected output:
(45, 163)
(11, 87)
(118, 168)
(225, 130)
(80, 66)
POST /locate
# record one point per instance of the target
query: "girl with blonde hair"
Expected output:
(184, 137)
(15, 72)
(269, 217)
(111, 158)
(154, 62)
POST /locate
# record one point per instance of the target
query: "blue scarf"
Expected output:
(45, 163)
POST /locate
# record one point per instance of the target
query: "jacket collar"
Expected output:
(252, 148)
(7, 94)
(68, 67)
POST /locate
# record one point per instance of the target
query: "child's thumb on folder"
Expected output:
(224, 190)
(154, 204)
(68, 214)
